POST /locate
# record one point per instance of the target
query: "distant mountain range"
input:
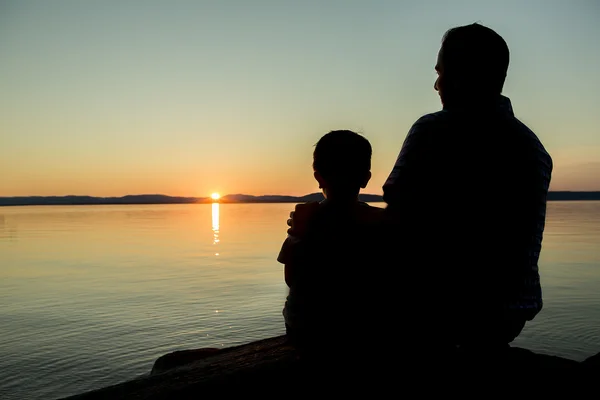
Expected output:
(231, 198)
(244, 198)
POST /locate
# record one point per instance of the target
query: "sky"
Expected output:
(187, 98)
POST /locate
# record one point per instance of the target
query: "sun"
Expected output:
(215, 196)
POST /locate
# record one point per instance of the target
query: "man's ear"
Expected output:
(319, 179)
(366, 180)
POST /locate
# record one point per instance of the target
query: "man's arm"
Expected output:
(408, 177)
(300, 218)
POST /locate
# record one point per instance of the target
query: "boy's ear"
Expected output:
(319, 179)
(366, 180)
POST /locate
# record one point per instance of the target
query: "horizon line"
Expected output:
(238, 194)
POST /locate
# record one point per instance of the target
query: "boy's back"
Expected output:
(334, 289)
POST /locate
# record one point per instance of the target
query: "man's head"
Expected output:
(342, 164)
(472, 64)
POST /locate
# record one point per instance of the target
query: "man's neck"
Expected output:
(472, 102)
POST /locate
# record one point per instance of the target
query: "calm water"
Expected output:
(92, 295)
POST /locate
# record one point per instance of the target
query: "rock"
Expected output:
(180, 358)
(593, 361)
(250, 367)
(274, 366)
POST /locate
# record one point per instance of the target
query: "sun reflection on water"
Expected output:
(215, 225)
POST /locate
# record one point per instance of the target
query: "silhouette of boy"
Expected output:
(329, 269)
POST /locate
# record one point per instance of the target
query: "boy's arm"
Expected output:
(288, 256)
(294, 248)
(288, 272)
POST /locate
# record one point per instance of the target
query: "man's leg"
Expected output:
(513, 326)
(489, 339)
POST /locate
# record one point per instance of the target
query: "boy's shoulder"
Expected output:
(315, 214)
(323, 222)
(368, 213)
(369, 209)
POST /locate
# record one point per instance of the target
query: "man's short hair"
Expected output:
(343, 158)
(477, 56)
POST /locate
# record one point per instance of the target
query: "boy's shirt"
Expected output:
(332, 260)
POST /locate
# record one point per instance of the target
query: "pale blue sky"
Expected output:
(189, 97)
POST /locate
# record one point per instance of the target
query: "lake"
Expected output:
(93, 295)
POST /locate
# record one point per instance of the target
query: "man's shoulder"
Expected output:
(424, 132)
(428, 127)
(431, 120)
(534, 143)
(524, 130)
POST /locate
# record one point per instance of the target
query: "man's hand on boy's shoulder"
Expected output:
(300, 217)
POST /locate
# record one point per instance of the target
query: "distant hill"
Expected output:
(273, 198)
(89, 200)
(231, 198)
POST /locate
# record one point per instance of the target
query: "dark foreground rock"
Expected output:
(273, 366)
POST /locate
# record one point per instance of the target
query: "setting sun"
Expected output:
(215, 196)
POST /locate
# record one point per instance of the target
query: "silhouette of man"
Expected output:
(466, 205)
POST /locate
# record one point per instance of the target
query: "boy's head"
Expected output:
(342, 164)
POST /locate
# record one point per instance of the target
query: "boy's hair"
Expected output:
(343, 158)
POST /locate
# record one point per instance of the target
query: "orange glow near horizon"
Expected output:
(179, 118)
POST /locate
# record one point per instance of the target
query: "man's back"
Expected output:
(469, 191)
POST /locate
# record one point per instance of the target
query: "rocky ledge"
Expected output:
(273, 365)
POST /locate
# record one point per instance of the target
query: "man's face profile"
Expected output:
(438, 84)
